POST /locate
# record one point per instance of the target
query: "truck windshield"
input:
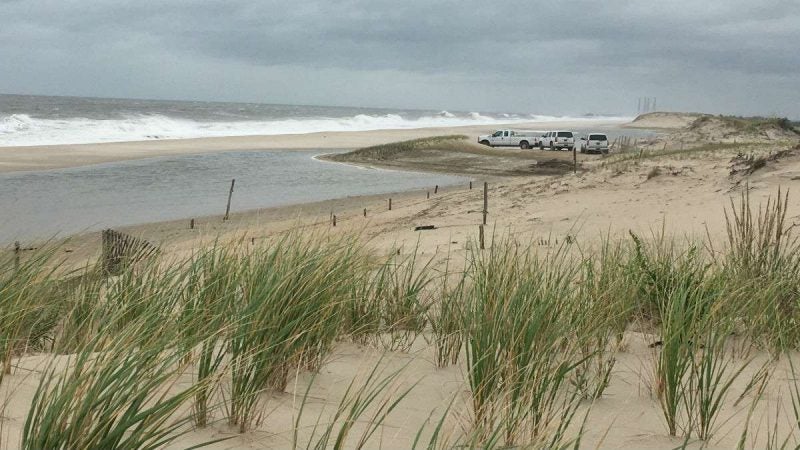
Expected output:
(597, 137)
(497, 134)
(566, 134)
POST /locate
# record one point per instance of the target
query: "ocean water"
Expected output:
(44, 204)
(42, 120)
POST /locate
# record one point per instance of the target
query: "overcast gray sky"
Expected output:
(565, 57)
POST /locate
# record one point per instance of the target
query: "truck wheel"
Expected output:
(524, 145)
(484, 142)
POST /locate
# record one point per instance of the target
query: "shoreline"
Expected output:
(176, 238)
(48, 157)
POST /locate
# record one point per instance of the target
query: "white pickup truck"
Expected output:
(511, 138)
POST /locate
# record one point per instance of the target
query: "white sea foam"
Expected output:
(22, 129)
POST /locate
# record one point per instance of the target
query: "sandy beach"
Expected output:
(59, 156)
(660, 185)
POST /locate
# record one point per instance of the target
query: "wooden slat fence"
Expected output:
(120, 250)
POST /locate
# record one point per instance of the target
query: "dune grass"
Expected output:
(640, 155)
(140, 358)
(290, 310)
(388, 151)
(522, 345)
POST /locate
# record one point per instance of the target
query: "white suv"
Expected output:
(595, 142)
(558, 140)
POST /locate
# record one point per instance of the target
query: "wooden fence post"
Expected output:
(334, 220)
(228, 208)
(481, 237)
(470, 185)
(365, 212)
(390, 204)
(574, 160)
(191, 224)
(436, 189)
(485, 201)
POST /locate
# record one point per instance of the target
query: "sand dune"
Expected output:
(642, 190)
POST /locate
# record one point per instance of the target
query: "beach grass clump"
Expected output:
(403, 296)
(762, 267)
(606, 302)
(659, 267)
(690, 304)
(208, 301)
(30, 304)
(115, 391)
(293, 294)
(521, 348)
(681, 311)
(390, 301)
(151, 289)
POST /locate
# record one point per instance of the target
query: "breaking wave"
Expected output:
(23, 129)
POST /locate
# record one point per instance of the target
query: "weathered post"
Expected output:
(390, 204)
(17, 250)
(334, 220)
(365, 212)
(485, 201)
(228, 208)
(470, 185)
(574, 160)
(428, 196)
(109, 252)
(481, 237)
(191, 224)
(436, 189)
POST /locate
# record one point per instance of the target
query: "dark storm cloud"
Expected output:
(605, 53)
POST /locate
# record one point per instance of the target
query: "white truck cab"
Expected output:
(510, 138)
